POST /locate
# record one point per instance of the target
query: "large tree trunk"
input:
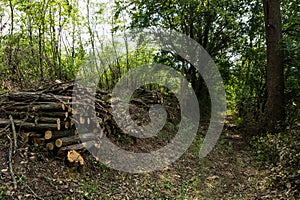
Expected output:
(275, 76)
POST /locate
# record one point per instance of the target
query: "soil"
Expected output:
(228, 172)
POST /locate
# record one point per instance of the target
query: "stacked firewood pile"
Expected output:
(48, 117)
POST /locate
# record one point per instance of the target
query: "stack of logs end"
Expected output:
(48, 117)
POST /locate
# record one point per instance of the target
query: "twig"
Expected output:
(31, 190)
(10, 163)
(5, 128)
(14, 133)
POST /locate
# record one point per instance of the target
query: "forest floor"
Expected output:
(228, 172)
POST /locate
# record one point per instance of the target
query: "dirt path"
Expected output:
(227, 173)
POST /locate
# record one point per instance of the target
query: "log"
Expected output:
(51, 109)
(48, 135)
(59, 134)
(37, 96)
(28, 125)
(65, 141)
(63, 89)
(77, 147)
(54, 114)
(58, 124)
(23, 115)
(19, 115)
(34, 117)
(34, 134)
(67, 125)
(58, 143)
(47, 119)
(50, 146)
(36, 107)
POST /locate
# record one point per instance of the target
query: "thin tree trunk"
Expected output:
(1, 29)
(92, 38)
(59, 48)
(54, 43)
(10, 64)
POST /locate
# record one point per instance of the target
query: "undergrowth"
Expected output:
(279, 154)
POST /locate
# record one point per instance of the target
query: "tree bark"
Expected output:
(36, 96)
(275, 75)
(74, 139)
(28, 125)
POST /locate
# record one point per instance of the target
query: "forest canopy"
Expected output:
(47, 40)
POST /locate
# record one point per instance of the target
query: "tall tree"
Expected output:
(211, 23)
(275, 75)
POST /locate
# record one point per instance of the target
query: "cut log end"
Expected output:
(48, 134)
(63, 106)
(74, 157)
(67, 125)
(50, 146)
(58, 123)
(58, 143)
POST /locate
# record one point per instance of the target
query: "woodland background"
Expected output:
(254, 43)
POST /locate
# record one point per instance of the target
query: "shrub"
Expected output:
(280, 154)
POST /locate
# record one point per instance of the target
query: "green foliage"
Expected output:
(212, 24)
(88, 189)
(280, 154)
(47, 40)
(291, 36)
(34, 45)
(246, 86)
